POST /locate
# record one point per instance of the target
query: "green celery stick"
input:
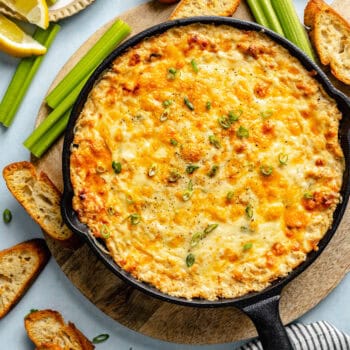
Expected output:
(24, 75)
(258, 13)
(271, 17)
(105, 45)
(293, 29)
(54, 116)
(49, 138)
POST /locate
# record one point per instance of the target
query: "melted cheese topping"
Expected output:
(208, 160)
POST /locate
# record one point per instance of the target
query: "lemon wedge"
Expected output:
(34, 11)
(14, 41)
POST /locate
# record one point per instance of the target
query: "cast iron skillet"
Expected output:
(261, 307)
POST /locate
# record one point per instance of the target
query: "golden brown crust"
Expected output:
(39, 196)
(189, 8)
(47, 330)
(39, 256)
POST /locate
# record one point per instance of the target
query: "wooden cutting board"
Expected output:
(162, 320)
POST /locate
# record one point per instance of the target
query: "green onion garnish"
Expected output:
(194, 66)
(266, 114)
(247, 246)
(234, 115)
(266, 170)
(208, 106)
(190, 169)
(187, 195)
(224, 122)
(152, 170)
(167, 103)
(249, 211)
(213, 171)
(135, 218)
(308, 195)
(171, 73)
(100, 338)
(174, 176)
(105, 232)
(7, 216)
(283, 158)
(173, 142)
(188, 103)
(117, 167)
(214, 141)
(210, 228)
(229, 195)
(242, 132)
(190, 259)
(196, 238)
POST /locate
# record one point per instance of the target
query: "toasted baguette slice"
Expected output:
(19, 267)
(47, 330)
(330, 33)
(39, 197)
(189, 8)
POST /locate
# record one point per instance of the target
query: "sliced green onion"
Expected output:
(135, 218)
(174, 176)
(112, 37)
(190, 169)
(188, 103)
(190, 185)
(172, 73)
(234, 115)
(196, 238)
(208, 106)
(187, 195)
(24, 75)
(266, 114)
(308, 195)
(247, 246)
(210, 228)
(100, 338)
(7, 216)
(242, 132)
(194, 66)
(190, 259)
(117, 167)
(249, 211)
(293, 29)
(173, 142)
(214, 141)
(213, 171)
(266, 170)
(167, 103)
(152, 170)
(283, 158)
(224, 122)
(105, 232)
(229, 195)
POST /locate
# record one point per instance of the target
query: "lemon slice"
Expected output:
(14, 41)
(34, 11)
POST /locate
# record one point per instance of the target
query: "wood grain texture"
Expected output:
(166, 321)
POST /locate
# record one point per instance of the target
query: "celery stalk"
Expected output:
(293, 29)
(258, 13)
(112, 37)
(50, 137)
(54, 116)
(271, 17)
(24, 75)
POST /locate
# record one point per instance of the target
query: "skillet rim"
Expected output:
(276, 286)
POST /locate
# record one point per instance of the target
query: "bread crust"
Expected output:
(38, 248)
(316, 12)
(25, 183)
(68, 330)
(189, 8)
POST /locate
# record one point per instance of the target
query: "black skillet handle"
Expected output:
(266, 318)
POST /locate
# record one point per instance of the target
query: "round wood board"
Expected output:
(166, 321)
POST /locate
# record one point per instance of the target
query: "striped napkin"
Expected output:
(315, 336)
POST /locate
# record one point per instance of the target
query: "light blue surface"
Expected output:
(52, 289)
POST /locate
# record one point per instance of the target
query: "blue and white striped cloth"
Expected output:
(315, 336)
